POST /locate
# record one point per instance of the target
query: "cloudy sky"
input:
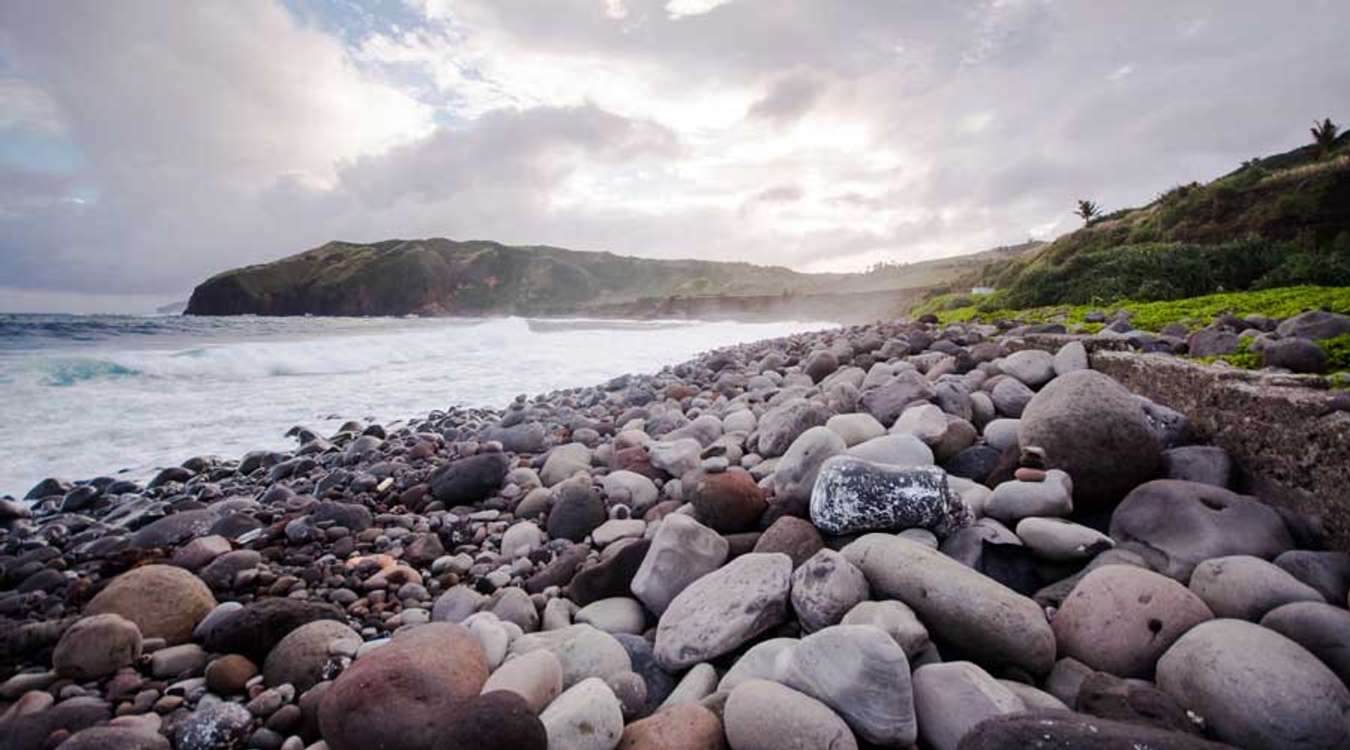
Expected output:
(147, 144)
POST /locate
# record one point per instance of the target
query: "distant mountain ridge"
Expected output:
(439, 276)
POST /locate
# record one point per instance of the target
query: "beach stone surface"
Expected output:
(852, 495)
(95, 646)
(163, 601)
(724, 609)
(682, 551)
(763, 715)
(951, 698)
(825, 588)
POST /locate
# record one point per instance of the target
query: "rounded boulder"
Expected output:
(164, 601)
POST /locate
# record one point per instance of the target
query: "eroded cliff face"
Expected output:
(442, 277)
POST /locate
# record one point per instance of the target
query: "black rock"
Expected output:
(255, 629)
(577, 510)
(611, 576)
(975, 463)
(469, 480)
(1064, 730)
(1297, 355)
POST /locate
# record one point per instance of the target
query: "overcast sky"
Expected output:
(145, 145)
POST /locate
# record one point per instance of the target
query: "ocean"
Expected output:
(83, 396)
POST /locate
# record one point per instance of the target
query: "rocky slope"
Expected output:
(870, 537)
(443, 277)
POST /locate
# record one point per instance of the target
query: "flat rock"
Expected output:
(682, 550)
(724, 609)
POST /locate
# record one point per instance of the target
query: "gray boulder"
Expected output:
(724, 609)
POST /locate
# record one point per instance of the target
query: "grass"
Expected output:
(1193, 312)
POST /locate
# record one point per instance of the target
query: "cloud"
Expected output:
(822, 135)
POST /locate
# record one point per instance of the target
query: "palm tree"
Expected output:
(1088, 211)
(1324, 135)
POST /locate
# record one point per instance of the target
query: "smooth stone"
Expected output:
(724, 609)
(1014, 500)
(659, 682)
(951, 698)
(114, 738)
(991, 622)
(615, 529)
(164, 601)
(1328, 572)
(631, 488)
(614, 615)
(96, 646)
(825, 588)
(781, 425)
(456, 604)
(681, 551)
(860, 673)
(586, 716)
(1033, 367)
(583, 650)
(1315, 324)
(299, 658)
(468, 481)
(174, 661)
(612, 575)
(222, 572)
(1001, 434)
(852, 495)
(904, 451)
(563, 462)
(536, 677)
(725, 501)
(686, 726)
(796, 472)
(795, 537)
(855, 428)
(1034, 698)
(1095, 430)
(521, 539)
(1256, 688)
(1110, 697)
(1246, 587)
(1010, 397)
(1176, 525)
(1323, 629)
(1071, 357)
(763, 715)
(1066, 679)
(675, 457)
(759, 662)
(1064, 730)
(492, 635)
(229, 674)
(260, 625)
(1121, 619)
(1059, 540)
(698, 683)
(895, 619)
(577, 510)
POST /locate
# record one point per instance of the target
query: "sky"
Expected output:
(148, 144)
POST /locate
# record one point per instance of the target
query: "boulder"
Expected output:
(951, 698)
(1033, 367)
(259, 626)
(796, 471)
(1095, 430)
(1064, 730)
(96, 646)
(763, 715)
(1295, 355)
(585, 717)
(564, 461)
(1246, 587)
(300, 657)
(992, 623)
(1315, 324)
(726, 501)
(1070, 358)
(577, 510)
(895, 619)
(851, 495)
(681, 551)
(795, 537)
(687, 726)
(1176, 524)
(584, 651)
(536, 677)
(1121, 619)
(902, 451)
(781, 425)
(1323, 629)
(862, 675)
(1257, 688)
(163, 601)
(825, 588)
(421, 691)
(1058, 540)
(723, 610)
(470, 480)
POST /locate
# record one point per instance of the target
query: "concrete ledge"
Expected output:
(1290, 450)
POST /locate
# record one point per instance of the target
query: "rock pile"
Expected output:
(874, 537)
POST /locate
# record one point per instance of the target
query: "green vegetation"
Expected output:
(1087, 211)
(1244, 357)
(1193, 312)
(1324, 135)
(1275, 222)
(1338, 354)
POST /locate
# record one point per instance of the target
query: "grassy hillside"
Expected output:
(440, 276)
(1279, 221)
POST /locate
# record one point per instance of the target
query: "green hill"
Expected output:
(444, 277)
(1278, 221)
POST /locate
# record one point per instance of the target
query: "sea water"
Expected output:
(84, 396)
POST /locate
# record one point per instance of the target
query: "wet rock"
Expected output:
(852, 495)
(723, 610)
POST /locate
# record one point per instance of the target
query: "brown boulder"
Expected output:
(95, 646)
(687, 726)
(164, 601)
(420, 692)
(795, 537)
(1121, 619)
(726, 501)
